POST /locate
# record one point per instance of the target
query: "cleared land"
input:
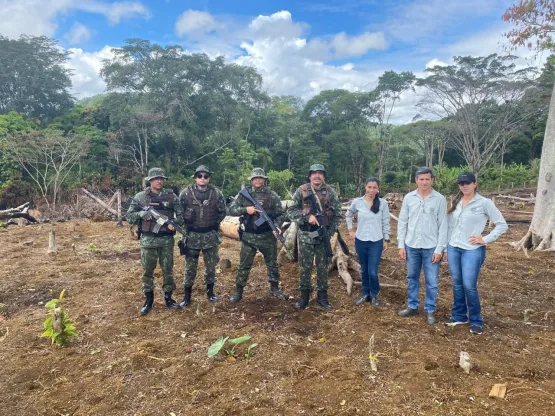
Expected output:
(308, 362)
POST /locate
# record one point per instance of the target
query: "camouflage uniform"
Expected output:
(311, 244)
(309, 247)
(156, 247)
(209, 204)
(258, 238)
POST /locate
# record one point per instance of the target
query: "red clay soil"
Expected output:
(308, 362)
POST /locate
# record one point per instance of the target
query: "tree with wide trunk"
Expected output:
(534, 22)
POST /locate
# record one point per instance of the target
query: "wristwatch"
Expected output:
(387, 241)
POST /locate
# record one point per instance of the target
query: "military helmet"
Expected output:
(202, 168)
(316, 167)
(156, 173)
(258, 173)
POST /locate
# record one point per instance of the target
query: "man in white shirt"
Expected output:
(422, 237)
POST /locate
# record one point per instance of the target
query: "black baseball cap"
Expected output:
(466, 177)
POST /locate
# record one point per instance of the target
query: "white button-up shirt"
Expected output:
(423, 222)
(371, 227)
(471, 220)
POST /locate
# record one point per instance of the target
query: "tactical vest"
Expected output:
(164, 205)
(264, 198)
(201, 209)
(324, 195)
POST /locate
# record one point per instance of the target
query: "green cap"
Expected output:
(156, 173)
(316, 167)
(202, 168)
(258, 173)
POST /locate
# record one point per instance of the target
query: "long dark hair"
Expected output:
(375, 208)
(456, 201)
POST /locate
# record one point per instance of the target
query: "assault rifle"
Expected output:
(322, 230)
(160, 218)
(264, 217)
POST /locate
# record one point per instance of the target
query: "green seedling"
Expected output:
(91, 246)
(58, 326)
(235, 342)
(248, 355)
(216, 347)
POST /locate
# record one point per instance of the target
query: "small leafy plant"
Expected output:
(58, 326)
(248, 355)
(216, 347)
(91, 246)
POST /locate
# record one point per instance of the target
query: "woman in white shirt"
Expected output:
(371, 237)
(466, 250)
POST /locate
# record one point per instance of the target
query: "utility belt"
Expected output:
(309, 227)
(160, 234)
(203, 230)
(258, 231)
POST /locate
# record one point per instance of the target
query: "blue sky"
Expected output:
(299, 47)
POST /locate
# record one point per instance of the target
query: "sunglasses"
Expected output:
(203, 175)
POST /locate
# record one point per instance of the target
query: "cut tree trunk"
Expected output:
(541, 234)
(228, 227)
(341, 260)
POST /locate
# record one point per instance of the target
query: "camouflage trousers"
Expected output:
(307, 253)
(150, 256)
(211, 259)
(266, 243)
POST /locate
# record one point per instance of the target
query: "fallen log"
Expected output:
(100, 202)
(341, 259)
(18, 212)
(228, 227)
(517, 198)
(290, 244)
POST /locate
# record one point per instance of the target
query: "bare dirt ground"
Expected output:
(307, 362)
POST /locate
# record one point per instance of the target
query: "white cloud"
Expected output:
(347, 47)
(86, 69)
(277, 25)
(78, 33)
(39, 17)
(116, 11)
(436, 62)
(194, 23)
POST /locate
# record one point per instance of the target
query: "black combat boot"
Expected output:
(186, 298)
(238, 294)
(149, 300)
(274, 291)
(302, 303)
(170, 303)
(210, 293)
(322, 299)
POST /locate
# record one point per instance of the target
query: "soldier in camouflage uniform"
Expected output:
(204, 210)
(156, 247)
(258, 237)
(311, 246)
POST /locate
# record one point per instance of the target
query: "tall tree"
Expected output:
(34, 80)
(390, 87)
(534, 22)
(480, 97)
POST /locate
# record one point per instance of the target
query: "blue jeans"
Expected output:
(465, 266)
(418, 259)
(369, 255)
